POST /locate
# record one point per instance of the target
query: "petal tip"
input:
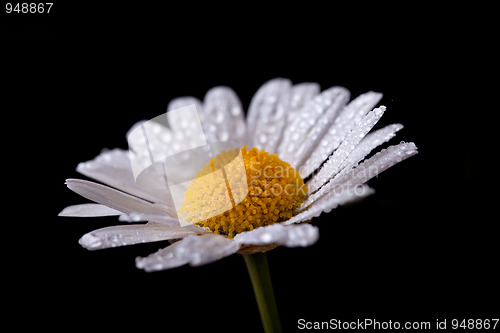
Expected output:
(90, 242)
(139, 262)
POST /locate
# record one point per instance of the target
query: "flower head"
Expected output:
(291, 133)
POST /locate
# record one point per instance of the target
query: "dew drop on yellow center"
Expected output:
(275, 191)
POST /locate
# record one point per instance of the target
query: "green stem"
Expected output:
(258, 268)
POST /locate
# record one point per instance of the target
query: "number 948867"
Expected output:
(28, 7)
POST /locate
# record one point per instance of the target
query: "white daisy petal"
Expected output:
(301, 135)
(185, 124)
(343, 124)
(88, 210)
(334, 163)
(151, 217)
(167, 134)
(365, 171)
(267, 114)
(291, 236)
(224, 116)
(112, 198)
(376, 164)
(180, 102)
(314, 135)
(193, 250)
(299, 96)
(149, 142)
(155, 144)
(152, 138)
(371, 141)
(131, 234)
(329, 201)
(113, 167)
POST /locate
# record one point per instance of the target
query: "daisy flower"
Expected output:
(303, 152)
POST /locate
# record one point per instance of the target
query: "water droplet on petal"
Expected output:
(235, 110)
(224, 136)
(266, 237)
(219, 117)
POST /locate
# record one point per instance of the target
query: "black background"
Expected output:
(422, 248)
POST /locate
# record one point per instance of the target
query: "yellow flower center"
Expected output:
(274, 190)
